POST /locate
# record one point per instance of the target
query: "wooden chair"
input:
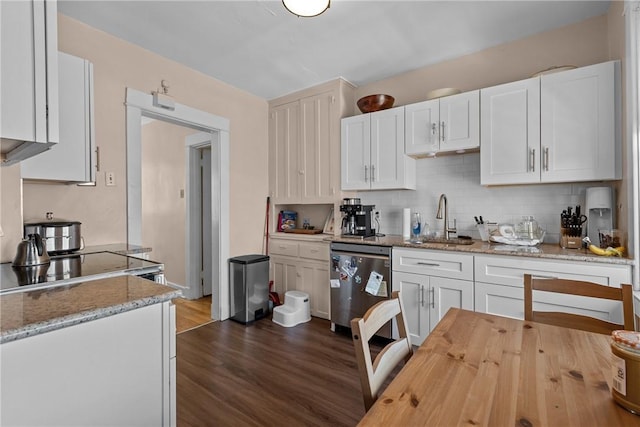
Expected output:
(576, 287)
(373, 374)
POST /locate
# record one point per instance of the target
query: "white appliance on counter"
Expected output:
(599, 204)
(76, 268)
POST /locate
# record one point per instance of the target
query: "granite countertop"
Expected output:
(34, 312)
(545, 250)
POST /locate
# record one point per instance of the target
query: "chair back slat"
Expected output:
(623, 294)
(374, 373)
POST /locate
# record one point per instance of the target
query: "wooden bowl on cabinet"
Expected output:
(371, 103)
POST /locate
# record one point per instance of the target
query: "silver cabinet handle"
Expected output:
(546, 159)
(373, 173)
(434, 131)
(532, 160)
(366, 171)
(433, 297)
(429, 264)
(422, 295)
(442, 131)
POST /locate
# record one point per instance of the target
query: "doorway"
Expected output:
(216, 128)
(203, 214)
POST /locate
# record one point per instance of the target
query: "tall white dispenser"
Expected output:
(599, 205)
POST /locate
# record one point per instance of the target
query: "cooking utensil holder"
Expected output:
(483, 229)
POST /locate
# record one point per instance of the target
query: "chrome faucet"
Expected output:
(442, 206)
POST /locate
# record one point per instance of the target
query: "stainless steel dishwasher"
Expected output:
(360, 277)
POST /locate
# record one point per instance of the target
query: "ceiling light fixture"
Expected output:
(306, 8)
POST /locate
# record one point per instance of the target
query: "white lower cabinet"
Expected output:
(430, 283)
(499, 286)
(302, 266)
(117, 370)
(427, 299)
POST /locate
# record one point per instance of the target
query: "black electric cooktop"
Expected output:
(73, 268)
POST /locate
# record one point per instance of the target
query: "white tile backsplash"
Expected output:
(458, 176)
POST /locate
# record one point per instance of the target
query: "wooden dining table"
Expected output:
(477, 369)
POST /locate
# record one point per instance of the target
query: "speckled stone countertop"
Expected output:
(29, 313)
(545, 250)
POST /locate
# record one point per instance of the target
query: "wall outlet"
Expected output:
(110, 179)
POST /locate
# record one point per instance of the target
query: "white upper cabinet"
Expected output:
(372, 153)
(580, 126)
(447, 124)
(562, 127)
(73, 160)
(510, 148)
(28, 78)
(318, 147)
(283, 153)
(304, 145)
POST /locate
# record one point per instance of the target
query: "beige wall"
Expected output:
(579, 44)
(164, 211)
(10, 211)
(118, 65)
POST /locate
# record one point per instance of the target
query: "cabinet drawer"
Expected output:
(282, 247)
(317, 251)
(433, 263)
(510, 271)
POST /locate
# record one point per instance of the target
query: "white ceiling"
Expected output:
(257, 46)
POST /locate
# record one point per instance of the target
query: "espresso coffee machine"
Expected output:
(356, 218)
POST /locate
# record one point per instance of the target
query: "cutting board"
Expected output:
(303, 231)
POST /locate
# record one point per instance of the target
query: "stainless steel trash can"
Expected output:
(249, 287)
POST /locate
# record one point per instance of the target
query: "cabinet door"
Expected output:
(510, 271)
(413, 291)
(355, 152)
(284, 273)
(72, 159)
(29, 71)
(387, 149)
(422, 128)
(507, 301)
(318, 173)
(510, 133)
(111, 359)
(460, 121)
(580, 130)
(284, 170)
(445, 294)
(314, 279)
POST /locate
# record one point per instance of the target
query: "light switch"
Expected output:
(110, 179)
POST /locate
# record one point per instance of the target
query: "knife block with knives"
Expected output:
(571, 222)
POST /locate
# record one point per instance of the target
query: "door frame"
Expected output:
(140, 104)
(195, 197)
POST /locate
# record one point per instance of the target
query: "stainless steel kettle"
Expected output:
(31, 251)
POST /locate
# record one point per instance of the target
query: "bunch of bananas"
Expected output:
(619, 251)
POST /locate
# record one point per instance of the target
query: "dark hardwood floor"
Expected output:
(263, 374)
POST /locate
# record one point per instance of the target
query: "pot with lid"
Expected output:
(31, 252)
(58, 236)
